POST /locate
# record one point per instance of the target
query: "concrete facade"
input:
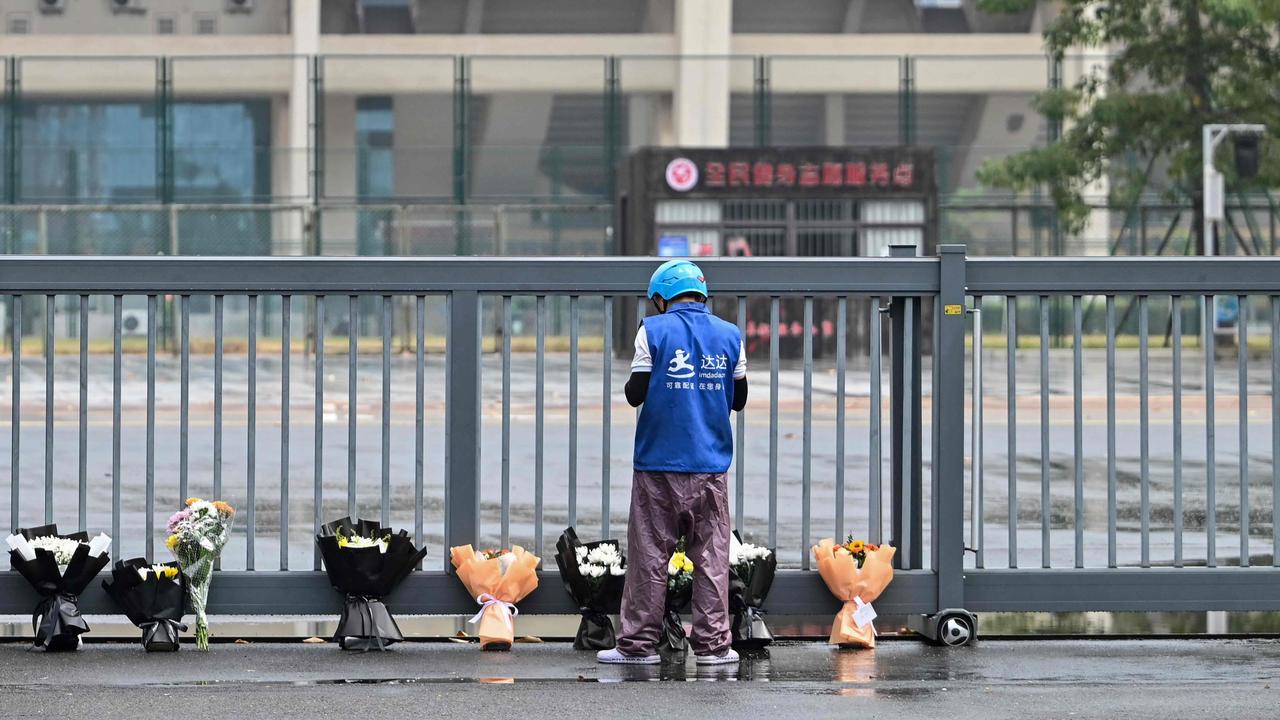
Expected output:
(687, 72)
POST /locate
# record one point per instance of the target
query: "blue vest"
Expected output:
(684, 424)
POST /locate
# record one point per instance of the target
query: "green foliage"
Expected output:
(1174, 66)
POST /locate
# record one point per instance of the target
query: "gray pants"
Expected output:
(665, 506)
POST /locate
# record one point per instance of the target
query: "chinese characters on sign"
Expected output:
(767, 174)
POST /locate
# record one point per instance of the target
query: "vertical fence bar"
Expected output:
(462, 487)
(1144, 428)
(1175, 308)
(84, 415)
(15, 424)
(948, 534)
(506, 420)
(49, 311)
(353, 334)
(150, 503)
(1275, 428)
(907, 518)
(317, 502)
(1242, 389)
(1077, 421)
(419, 420)
(217, 397)
(875, 499)
(539, 418)
(286, 343)
(1208, 321)
(774, 312)
(976, 511)
(386, 410)
(1046, 499)
(1011, 421)
(1111, 431)
(184, 398)
(606, 420)
(842, 318)
(573, 410)
(740, 468)
(806, 473)
(116, 399)
(251, 433)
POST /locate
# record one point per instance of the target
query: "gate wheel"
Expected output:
(956, 630)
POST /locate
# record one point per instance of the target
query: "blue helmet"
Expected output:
(675, 278)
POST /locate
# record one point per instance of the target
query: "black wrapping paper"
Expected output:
(155, 605)
(56, 621)
(365, 624)
(595, 601)
(365, 576)
(746, 603)
(674, 644)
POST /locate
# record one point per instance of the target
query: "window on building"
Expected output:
(222, 151)
(375, 125)
(375, 174)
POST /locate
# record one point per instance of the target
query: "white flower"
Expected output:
(581, 552)
(617, 571)
(62, 548)
(672, 570)
(604, 555)
(203, 507)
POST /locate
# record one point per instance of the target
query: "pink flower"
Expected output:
(177, 518)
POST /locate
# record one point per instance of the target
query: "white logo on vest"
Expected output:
(679, 366)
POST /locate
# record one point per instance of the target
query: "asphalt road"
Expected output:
(754, 455)
(1024, 679)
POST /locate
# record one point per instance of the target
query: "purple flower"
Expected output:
(178, 517)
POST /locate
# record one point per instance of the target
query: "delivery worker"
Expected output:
(689, 371)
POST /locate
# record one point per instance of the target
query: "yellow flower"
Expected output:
(687, 566)
(679, 559)
(857, 546)
(170, 572)
(192, 501)
(342, 540)
(224, 508)
(171, 542)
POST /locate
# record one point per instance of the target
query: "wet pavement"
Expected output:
(902, 678)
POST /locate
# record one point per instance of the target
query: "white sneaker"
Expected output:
(728, 658)
(614, 656)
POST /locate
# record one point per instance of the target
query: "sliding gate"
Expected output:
(1138, 474)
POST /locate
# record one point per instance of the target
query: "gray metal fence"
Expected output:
(491, 430)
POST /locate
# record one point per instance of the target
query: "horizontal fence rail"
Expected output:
(478, 400)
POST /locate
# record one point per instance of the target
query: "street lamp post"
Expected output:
(1214, 191)
(1214, 197)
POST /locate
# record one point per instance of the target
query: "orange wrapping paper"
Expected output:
(485, 577)
(846, 581)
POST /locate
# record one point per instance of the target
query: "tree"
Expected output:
(1174, 66)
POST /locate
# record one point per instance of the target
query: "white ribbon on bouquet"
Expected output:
(505, 609)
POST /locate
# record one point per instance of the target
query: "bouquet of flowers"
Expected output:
(59, 567)
(197, 534)
(856, 573)
(751, 571)
(674, 644)
(365, 562)
(153, 597)
(593, 574)
(497, 579)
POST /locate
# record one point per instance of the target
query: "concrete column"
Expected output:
(833, 127)
(304, 28)
(340, 162)
(703, 28)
